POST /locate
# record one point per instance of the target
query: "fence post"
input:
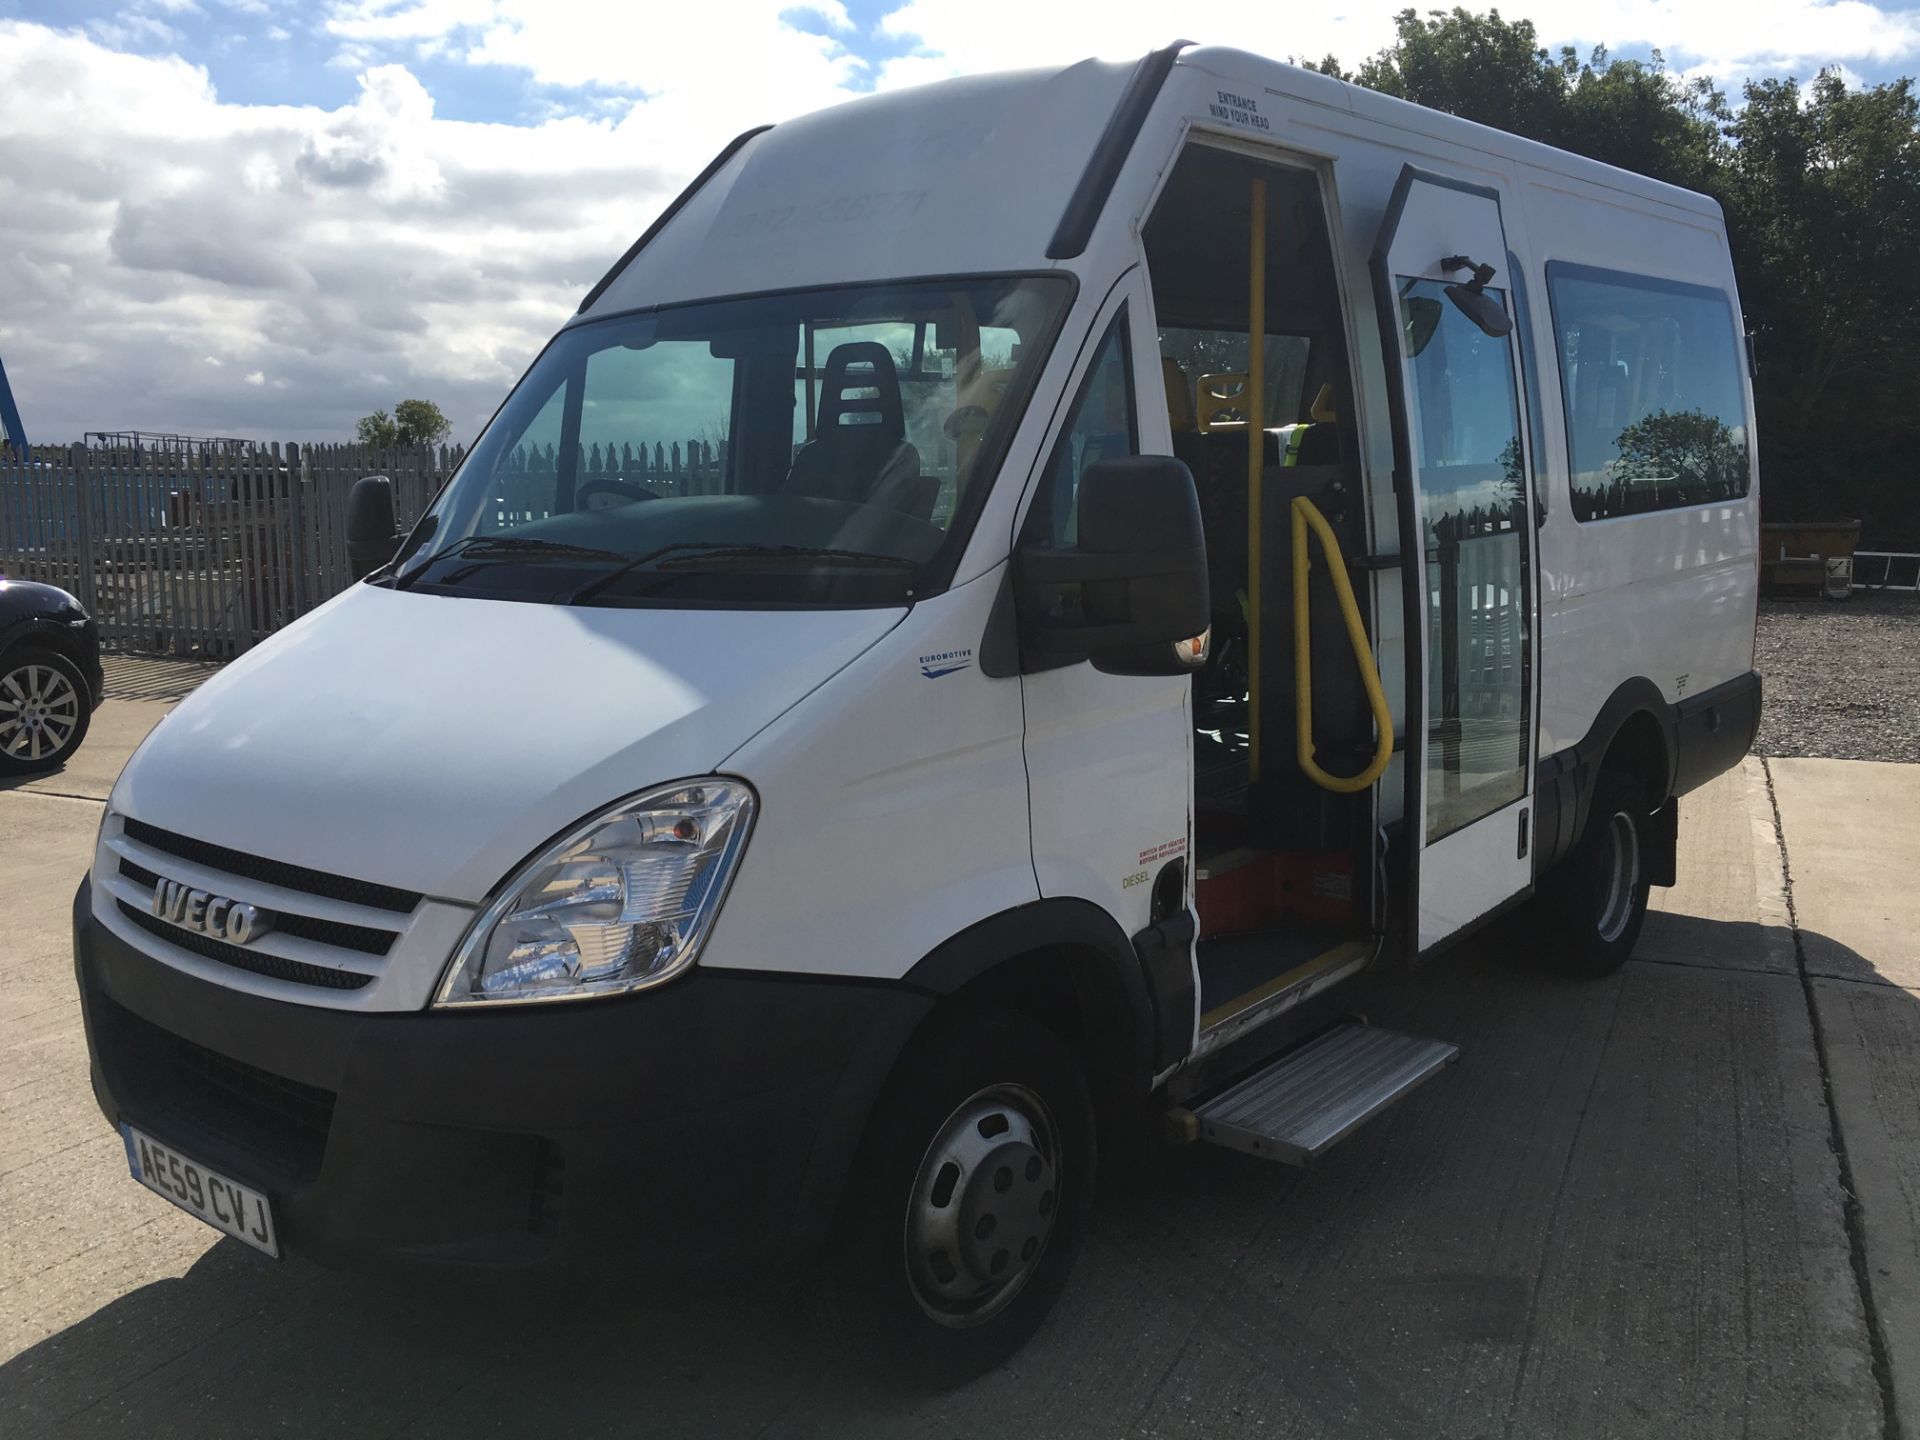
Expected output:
(299, 542)
(83, 523)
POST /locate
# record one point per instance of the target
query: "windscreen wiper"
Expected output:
(689, 554)
(506, 547)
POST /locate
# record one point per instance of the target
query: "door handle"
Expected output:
(1307, 515)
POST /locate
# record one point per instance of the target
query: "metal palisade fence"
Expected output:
(197, 552)
(206, 549)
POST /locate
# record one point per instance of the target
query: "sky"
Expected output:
(266, 218)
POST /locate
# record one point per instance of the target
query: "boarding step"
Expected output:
(1310, 1098)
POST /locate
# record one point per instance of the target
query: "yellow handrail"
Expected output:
(1256, 451)
(1306, 513)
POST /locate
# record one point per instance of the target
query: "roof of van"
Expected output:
(971, 176)
(963, 176)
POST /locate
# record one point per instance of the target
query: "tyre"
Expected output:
(970, 1200)
(44, 710)
(1595, 901)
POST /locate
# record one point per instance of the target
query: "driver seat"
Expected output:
(859, 452)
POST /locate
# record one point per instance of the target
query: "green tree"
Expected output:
(378, 430)
(1479, 66)
(420, 422)
(1628, 113)
(1826, 185)
(413, 422)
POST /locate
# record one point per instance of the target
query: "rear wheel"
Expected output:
(44, 710)
(972, 1194)
(1596, 899)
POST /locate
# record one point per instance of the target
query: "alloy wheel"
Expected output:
(39, 712)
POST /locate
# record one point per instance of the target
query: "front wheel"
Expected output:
(972, 1195)
(1596, 899)
(45, 709)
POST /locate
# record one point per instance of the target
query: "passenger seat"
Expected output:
(859, 452)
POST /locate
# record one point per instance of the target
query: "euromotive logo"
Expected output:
(945, 662)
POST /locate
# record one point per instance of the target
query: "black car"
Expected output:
(50, 676)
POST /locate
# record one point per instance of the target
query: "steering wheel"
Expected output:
(620, 491)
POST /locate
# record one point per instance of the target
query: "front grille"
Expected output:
(180, 1088)
(273, 872)
(338, 933)
(256, 962)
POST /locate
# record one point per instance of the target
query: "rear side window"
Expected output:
(1650, 378)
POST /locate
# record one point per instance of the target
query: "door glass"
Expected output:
(1101, 428)
(1466, 439)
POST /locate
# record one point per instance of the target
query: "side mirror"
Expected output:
(370, 525)
(1471, 298)
(1131, 596)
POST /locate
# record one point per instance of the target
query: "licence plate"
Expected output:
(227, 1205)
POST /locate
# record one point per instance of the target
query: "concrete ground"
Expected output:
(1681, 1201)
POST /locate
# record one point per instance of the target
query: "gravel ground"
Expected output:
(1842, 677)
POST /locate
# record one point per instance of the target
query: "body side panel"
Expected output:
(893, 807)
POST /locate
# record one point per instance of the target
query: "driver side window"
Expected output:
(1101, 426)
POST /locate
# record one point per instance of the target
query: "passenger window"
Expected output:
(1100, 427)
(1650, 378)
(1466, 437)
(1530, 378)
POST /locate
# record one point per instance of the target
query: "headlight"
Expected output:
(622, 902)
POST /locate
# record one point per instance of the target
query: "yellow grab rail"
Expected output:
(1305, 514)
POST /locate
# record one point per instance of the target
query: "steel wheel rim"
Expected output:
(39, 712)
(983, 1205)
(1623, 875)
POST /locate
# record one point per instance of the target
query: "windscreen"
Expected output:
(813, 448)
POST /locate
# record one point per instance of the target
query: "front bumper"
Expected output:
(713, 1119)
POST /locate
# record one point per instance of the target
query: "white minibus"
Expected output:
(1005, 598)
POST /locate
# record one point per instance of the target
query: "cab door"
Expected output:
(1108, 756)
(1461, 453)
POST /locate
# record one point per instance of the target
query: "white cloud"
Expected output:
(172, 261)
(133, 28)
(705, 72)
(363, 253)
(356, 255)
(406, 19)
(1716, 37)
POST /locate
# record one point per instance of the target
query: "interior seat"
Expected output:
(1320, 444)
(859, 451)
(1188, 447)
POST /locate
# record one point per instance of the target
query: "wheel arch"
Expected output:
(44, 633)
(1065, 962)
(1634, 733)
